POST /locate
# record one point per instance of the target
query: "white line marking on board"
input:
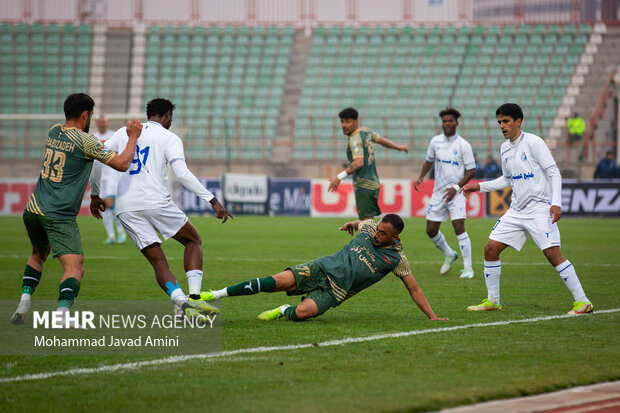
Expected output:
(253, 350)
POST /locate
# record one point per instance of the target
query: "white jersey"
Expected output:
(525, 162)
(144, 185)
(109, 175)
(452, 157)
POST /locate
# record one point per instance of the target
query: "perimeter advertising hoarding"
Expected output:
(579, 198)
(397, 196)
(245, 194)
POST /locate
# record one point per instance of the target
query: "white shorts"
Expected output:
(143, 226)
(438, 210)
(513, 231)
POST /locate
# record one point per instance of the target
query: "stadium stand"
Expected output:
(407, 75)
(40, 66)
(228, 81)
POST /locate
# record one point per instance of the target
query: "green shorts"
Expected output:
(312, 281)
(62, 234)
(367, 202)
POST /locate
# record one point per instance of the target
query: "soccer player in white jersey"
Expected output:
(144, 204)
(529, 167)
(455, 165)
(109, 180)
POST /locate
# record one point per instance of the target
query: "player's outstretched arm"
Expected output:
(425, 169)
(469, 188)
(385, 142)
(357, 163)
(418, 297)
(121, 162)
(350, 227)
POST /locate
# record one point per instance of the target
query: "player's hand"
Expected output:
(333, 184)
(417, 183)
(556, 213)
(134, 129)
(403, 148)
(439, 319)
(350, 227)
(221, 212)
(97, 206)
(449, 193)
(469, 188)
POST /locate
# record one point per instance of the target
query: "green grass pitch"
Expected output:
(413, 373)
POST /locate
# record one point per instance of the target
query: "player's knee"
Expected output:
(491, 253)
(431, 232)
(303, 313)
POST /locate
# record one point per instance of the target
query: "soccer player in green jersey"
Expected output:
(330, 280)
(361, 156)
(50, 213)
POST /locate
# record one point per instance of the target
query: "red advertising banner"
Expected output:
(14, 194)
(394, 198)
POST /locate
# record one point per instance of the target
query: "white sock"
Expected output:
(108, 222)
(492, 271)
(178, 297)
(24, 304)
(465, 246)
(440, 242)
(569, 276)
(194, 281)
(220, 293)
(119, 227)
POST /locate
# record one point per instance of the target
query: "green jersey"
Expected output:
(360, 264)
(361, 145)
(67, 163)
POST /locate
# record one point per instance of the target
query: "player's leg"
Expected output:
(316, 303)
(30, 281)
(107, 217)
(367, 203)
(436, 213)
(457, 207)
(167, 282)
(192, 257)
(547, 236)
(121, 235)
(284, 281)
(508, 231)
(69, 288)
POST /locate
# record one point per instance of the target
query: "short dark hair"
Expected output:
(159, 107)
(348, 113)
(510, 109)
(77, 103)
(450, 111)
(396, 221)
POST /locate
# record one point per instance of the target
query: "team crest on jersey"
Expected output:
(455, 152)
(523, 157)
(356, 149)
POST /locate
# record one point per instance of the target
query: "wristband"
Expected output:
(342, 175)
(213, 201)
(456, 187)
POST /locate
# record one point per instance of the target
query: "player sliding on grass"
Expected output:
(529, 167)
(329, 280)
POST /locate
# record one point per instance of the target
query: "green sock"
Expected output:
(68, 291)
(290, 314)
(253, 286)
(30, 280)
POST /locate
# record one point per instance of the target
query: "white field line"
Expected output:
(292, 347)
(541, 262)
